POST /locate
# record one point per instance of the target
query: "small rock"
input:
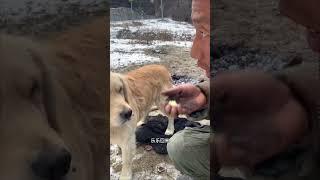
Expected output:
(160, 169)
(148, 148)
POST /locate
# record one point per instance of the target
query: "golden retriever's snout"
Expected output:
(52, 165)
(126, 114)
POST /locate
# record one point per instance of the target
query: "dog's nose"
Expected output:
(126, 114)
(52, 165)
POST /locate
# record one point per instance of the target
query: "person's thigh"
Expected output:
(189, 150)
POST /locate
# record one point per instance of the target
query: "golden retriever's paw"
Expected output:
(169, 132)
(140, 123)
(125, 177)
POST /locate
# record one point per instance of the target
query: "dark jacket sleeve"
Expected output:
(202, 113)
(205, 88)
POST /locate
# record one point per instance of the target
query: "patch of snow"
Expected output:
(169, 172)
(114, 175)
(114, 149)
(119, 60)
(126, 45)
(127, 52)
(115, 160)
(138, 156)
(155, 25)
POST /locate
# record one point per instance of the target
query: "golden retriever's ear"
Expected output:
(48, 89)
(125, 88)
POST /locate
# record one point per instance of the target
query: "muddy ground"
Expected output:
(177, 59)
(40, 19)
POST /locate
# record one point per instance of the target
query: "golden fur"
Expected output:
(53, 96)
(139, 90)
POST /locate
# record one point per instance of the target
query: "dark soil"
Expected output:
(237, 57)
(42, 23)
(182, 79)
(253, 33)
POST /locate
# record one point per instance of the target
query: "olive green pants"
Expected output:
(189, 150)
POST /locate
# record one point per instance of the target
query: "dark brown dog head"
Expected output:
(31, 137)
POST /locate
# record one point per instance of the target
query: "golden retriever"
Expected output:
(132, 95)
(52, 105)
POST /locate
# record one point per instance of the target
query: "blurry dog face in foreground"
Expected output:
(31, 148)
(120, 110)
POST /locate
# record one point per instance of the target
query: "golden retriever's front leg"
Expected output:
(141, 122)
(170, 127)
(128, 152)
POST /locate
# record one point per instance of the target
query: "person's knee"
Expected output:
(189, 151)
(175, 147)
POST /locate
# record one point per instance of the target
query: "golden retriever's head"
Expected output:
(120, 110)
(31, 147)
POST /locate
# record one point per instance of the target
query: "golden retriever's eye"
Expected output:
(120, 89)
(35, 92)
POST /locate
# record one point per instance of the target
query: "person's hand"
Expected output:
(189, 98)
(255, 116)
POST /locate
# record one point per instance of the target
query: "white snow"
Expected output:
(113, 175)
(115, 159)
(126, 52)
(155, 25)
(119, 60)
